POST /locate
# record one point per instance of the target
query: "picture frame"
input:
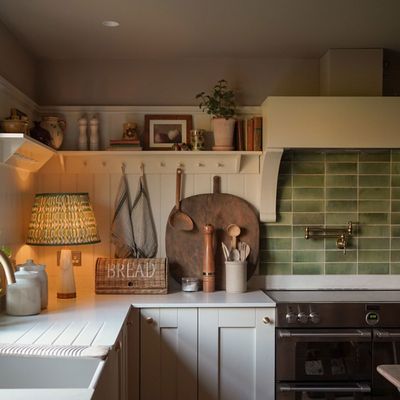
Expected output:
(161, 132)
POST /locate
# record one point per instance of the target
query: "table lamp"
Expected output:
(63, 219)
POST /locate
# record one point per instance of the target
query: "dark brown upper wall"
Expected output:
(17, 65)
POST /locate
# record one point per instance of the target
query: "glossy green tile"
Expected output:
(374, 218)
(341, 205)
(341, 181)
(308, 156)
(308, 268)
(374, 180)
(396, 168)
(308, 244)
(396, 193)
(287, 155)
(374, 231)
(284, 218)
(308, 206)
(284, 206)
(373, 193)
(395, 155)
(345, 268)
(373, 268)
(330, 244)
(284, 193)
(308, 168)
(342, 156)
(275, 268)
(374, 206)
(395, 244)
(285, 180)
(308, 193)
(277, 244)
(395, 256)
(395, 230)
(338, 256)
(395, 218)
(308, 218)
(285, 167)
(298, 231)
(340, 218)
(373, 255)
(308, 180)
(374, 168)
(374, 155)
(308, 256)
(395, 181)
(395, 268)
(341, 193)
(276, 256)
(341, 168)
(373, 243)
(277, 231)
(395, 206)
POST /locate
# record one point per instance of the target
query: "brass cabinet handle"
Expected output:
(149, 320)
(266, 320)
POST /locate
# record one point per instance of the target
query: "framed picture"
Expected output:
(162, 131)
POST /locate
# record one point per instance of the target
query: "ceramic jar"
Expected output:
(24, 296)
(56, 127)
(41, 270)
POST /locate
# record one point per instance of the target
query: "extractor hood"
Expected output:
(322, 123)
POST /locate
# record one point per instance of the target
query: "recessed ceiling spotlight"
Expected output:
(110, 24)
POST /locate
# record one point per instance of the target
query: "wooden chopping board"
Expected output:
(185, 249)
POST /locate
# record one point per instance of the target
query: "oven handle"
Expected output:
(356, 334)
(385, 334)
(357, 388)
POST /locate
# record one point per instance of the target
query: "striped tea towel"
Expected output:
(121, 229)
(143, 223)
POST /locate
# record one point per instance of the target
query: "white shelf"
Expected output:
(160, 161)
(21, 151)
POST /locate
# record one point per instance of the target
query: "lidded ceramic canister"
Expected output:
(24, 296)
(29, 265)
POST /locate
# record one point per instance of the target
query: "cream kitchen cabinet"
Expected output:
(207, 353)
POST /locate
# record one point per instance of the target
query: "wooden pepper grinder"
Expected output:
(208, 260)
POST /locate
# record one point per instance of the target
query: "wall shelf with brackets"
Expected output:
(21, 151)
(160, 162)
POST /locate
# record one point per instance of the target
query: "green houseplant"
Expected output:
(220, 103)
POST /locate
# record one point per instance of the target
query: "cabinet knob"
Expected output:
(149, 320)
(266, 320)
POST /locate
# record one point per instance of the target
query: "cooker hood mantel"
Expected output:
(322, 123)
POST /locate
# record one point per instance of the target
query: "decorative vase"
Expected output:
(40, 134)
(56, 127)
(94, 134)
(83, 139)
(223, 133)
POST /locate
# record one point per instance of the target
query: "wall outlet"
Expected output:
(76, 258)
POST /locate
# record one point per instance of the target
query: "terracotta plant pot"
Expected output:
(223, 133)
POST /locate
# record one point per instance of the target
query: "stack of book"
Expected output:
(249, 134)
(124, 144)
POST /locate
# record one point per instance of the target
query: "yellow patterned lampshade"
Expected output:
(62, 219)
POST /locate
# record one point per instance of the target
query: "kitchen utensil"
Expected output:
(178, 219)
(244, 250)
(226, 251)
(184, 249)
(233, 231)
(235, 255)
(208, 260)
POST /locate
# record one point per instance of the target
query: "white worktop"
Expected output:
(391, 372)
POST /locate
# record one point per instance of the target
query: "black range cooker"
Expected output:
(329, 343)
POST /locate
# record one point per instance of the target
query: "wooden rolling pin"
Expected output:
(208, 260)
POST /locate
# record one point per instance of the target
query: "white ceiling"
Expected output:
(71, 29)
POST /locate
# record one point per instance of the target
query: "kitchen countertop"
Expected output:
(391, 372)
(91, 320)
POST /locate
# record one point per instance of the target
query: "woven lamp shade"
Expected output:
(62, 219)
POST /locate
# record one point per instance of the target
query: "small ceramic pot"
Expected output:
(56, 127)
(223, 133)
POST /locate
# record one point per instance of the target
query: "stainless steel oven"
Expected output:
(328, 344)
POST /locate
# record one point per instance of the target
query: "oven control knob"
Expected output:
(291, 317)
(314, 317)
(302, 317)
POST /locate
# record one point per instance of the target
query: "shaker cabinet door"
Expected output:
(236, 353)
(168, 354)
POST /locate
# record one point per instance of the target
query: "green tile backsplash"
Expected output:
(330, 189)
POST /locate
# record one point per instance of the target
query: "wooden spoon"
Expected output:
(233, 231)
(178, 219)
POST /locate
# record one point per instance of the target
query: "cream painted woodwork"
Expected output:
(168, 354)
(236, 354)
(331, 122)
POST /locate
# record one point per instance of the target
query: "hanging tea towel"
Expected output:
(121, 229)
(143, 223)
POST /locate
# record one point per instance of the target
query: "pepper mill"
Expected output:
(83, 139)
(94, 134)
(208, 260)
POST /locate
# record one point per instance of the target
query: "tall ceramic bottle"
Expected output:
(83, 138)
(94, 133)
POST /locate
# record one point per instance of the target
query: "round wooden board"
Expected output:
(185, 249)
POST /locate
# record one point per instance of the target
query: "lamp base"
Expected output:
(66, 281)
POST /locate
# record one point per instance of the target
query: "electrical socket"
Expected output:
(76, 258)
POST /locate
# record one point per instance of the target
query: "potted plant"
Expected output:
(220, 103)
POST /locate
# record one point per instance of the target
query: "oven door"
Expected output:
(385, 350)
(344, 391)
(323, 355)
